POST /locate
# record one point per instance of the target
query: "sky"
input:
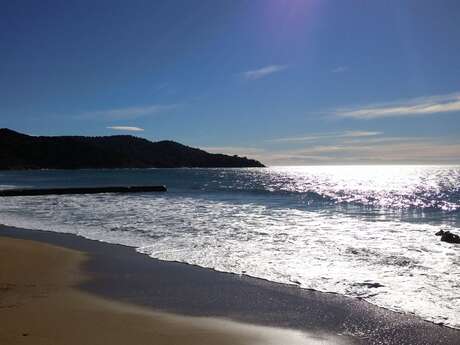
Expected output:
(288, 82)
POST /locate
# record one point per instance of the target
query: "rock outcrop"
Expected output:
(447, 236)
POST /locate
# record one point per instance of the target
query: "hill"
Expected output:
(21, 151)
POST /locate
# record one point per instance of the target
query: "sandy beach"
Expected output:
(40, 304)
(63, 289)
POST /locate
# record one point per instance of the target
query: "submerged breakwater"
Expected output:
(80, 190)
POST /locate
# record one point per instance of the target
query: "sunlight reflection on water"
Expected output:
(361, 231)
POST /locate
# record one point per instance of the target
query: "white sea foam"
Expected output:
(396, 264)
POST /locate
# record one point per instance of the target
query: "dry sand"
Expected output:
(41, 304)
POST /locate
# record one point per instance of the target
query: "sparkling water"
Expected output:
(362, 231)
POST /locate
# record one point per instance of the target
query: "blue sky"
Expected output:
(285, 81)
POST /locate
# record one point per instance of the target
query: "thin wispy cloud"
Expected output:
(396, 150)
(355, 147)
(234, 150)
(411, 151)
(413, 107)
(127, 113)
(263, 72)
(321, 136)
(377, 140)
(126, 128)
(340, 69)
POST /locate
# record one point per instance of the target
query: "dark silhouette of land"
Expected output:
(20, 151)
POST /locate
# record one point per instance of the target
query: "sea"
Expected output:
(361, 231)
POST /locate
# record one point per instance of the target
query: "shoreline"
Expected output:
(121, 274)
(41, 304)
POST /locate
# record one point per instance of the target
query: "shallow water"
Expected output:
(358, 230)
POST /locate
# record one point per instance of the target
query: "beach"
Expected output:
(63, 289)
(369, 236)
(40, 304)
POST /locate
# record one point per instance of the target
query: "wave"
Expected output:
(444, 200)
(398, 265)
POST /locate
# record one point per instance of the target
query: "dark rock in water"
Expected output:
(370, 285)
(447, 236)
(374, 285)
(450, 237)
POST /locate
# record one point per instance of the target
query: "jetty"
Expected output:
(81, 190)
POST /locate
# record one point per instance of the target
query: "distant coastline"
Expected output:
(24, 152)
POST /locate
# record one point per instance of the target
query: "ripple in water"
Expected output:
(343, 230)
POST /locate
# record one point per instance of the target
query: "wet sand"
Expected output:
(40, 304)
(124, 291)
